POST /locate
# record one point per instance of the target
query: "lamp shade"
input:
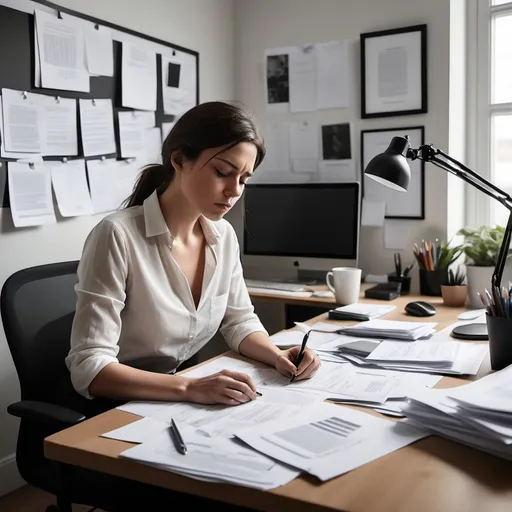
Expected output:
(391, 168)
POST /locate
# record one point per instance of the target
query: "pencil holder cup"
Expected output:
(404, 280)
(431, 281)
(500, 341)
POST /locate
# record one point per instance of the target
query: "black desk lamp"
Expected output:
(391, 169)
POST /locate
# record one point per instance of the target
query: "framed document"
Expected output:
(394, 72)
(399, 205)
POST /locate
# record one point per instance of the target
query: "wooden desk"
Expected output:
(327, 302)
(433, 474)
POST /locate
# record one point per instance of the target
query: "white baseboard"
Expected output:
(10, 478)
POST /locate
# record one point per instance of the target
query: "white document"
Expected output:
(30, 194)
(329, 440)
(61, 133)
(443, 352)
(373, 213)
(396, 234)
(37, 60)
(398, 72)
(131, 135)
(303, 79)
(277, 79)
(97, 126)
(152, 146)
(99, 50)
(70, 186)
(166, 129)
(61, 51)
(277, 141)
(138, 76)
(304, 150)
(146, 117)
(23, 116)
(333, 74)
(111, 182)
(286, 339)
(139, 431)
(179, 83)
(340, 171)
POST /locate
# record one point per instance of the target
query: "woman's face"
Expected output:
(215, 181)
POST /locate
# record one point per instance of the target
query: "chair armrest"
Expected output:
(45, 412)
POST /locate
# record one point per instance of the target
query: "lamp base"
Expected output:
(474, 332)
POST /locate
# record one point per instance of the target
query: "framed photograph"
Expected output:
(394, 72)
(398, 205)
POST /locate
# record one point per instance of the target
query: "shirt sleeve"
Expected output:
(240, 320)
(101, 293)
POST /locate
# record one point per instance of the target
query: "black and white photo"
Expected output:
(336, 142)
(278, 79)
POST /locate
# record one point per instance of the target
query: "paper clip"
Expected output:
(103, 158)
(24, 93)
(64, 160)
(93, 102)
(31, 165)
(57, 99)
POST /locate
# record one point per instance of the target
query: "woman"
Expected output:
(157, 279)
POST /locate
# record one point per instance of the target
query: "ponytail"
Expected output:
(153, 177)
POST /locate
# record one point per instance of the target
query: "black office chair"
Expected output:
(37, 306)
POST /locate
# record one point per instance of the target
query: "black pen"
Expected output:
(301, 353)
(177, 439)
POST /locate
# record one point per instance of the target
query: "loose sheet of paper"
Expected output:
(179, 83)
(131, 135)
(24, 128)
(99, 50)
(111, 182)
(138, 75)
(333, 74)
(97, 127)
(30, 194)
(61, 52)
(61, 132)
(373, 213)
(304, 146)
(337, 171)
(166, 129)
(396, 234)
(152, 146)
(70, 186)
(303, 79)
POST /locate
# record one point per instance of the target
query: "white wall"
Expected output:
(206, 26)
(274, 23)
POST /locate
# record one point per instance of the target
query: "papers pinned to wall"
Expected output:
(97, 127)
(178, 84)
(99, 51)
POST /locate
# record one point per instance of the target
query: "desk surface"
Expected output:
(432, 474)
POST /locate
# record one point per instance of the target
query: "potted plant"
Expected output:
(455, 291)
(481, 247)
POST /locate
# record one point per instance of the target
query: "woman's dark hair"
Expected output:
(205, 126)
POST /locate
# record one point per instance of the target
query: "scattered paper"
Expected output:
(99, 50)
(97, 127)
(373, 213)
(302, 69)
(61, 52)
(138, 77)
(30, 194)
(396, 234)
(24, 129)
(333, 75)
(70, 186)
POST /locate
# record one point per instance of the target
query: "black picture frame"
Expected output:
(417, 136)
(418, 104)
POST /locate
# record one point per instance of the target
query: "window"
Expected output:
(492, 134)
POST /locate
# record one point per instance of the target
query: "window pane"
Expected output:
(501, 155)
(502, 60)
(499, 2)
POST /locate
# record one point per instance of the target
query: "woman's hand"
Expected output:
(285, 363)
(226, 387)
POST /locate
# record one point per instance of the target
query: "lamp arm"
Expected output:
(449, 164)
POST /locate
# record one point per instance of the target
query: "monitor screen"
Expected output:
(313, 220)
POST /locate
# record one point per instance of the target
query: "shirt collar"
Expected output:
(155, 223)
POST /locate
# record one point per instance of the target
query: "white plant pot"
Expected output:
(479, 280)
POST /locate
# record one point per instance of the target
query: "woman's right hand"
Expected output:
(225, 387)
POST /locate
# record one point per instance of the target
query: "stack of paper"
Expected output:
(478, 414)
(327, 440)
(395, 329)
(210, 459)
(360, 311)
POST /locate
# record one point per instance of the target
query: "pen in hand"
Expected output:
(300, 355)
(177, 439)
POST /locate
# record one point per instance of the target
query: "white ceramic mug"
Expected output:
(346, 284)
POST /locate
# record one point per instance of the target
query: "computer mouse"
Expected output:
(420, 308)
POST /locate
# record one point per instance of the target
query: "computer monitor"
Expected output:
(301, 230)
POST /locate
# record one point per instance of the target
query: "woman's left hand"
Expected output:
(285, 363)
